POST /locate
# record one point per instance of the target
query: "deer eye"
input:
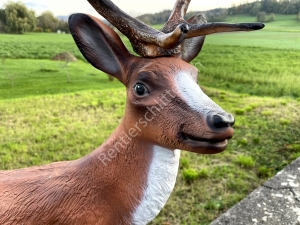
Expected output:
(140, 89)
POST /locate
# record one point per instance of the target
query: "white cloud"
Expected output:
(66, 7)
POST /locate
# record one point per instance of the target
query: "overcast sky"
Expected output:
(136, 7)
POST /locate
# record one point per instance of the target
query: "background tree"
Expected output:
(47, 21)
(18, 18)
(268, 6)
(298, 16)
(216, 15)
(271, 18)
(2, 16)
(156, 18)
(63, 26)
(255, 9)
(3, 26)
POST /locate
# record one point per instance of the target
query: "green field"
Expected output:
(27, 77)
(36, 46)
(52, 111)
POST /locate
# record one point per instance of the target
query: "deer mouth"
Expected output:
(213, 144)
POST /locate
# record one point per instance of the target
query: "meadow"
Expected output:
(53, 111)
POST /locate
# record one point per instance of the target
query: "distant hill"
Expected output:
(218, 14)
(264, 10)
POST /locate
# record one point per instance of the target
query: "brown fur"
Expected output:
(84, 191)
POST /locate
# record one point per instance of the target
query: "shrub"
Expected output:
(263, 172)
(267, 113)
(38, 30)
(294, 147)
(283, 102)
(184, 162)
(256, 140)
(271, 18)
(261, 17)
(245, 161)
(284, 121)
(203, 173)
(295, 155)
(190, 175)
(253, 105)
(248, 108)
(239, 111)
(242, 141)
(213, 205)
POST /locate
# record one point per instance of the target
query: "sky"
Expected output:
(133, 7)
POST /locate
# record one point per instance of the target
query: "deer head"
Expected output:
(163, 96)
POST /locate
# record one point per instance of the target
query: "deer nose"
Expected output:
(221, 121)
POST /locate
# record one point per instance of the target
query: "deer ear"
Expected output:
(192, 46)
(99, 44)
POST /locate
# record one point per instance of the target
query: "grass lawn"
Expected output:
(251, 70)
(264, 39)
(53, 111)
(243, 69)
(36, 46)
(40, 77)
(283, 33)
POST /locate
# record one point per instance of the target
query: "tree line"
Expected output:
(263, 10)
(16, 18)
(268, 6)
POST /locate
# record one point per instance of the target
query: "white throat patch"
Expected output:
(161, 181)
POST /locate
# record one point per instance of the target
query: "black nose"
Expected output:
(221, 121)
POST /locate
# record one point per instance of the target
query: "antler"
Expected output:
(149, 42)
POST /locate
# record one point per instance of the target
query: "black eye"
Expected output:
(140, 89)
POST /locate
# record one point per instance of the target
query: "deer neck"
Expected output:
(145, 172)
(161, 179)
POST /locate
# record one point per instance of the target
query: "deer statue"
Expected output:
(128, 179)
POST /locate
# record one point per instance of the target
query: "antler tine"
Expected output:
(122, 21)
(210, 28)
(177, 15)
(143, 38)
(180, 9)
